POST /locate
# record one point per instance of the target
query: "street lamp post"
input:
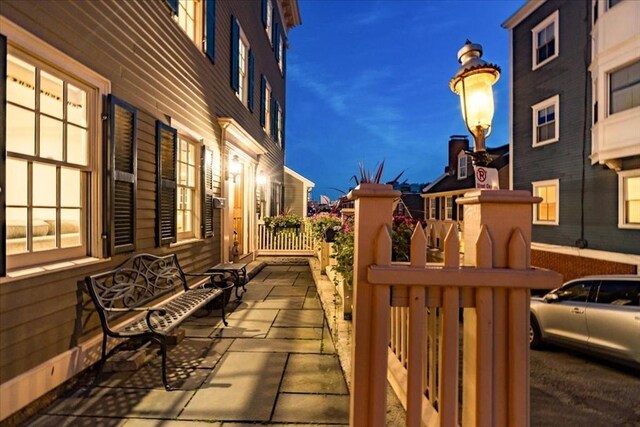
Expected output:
(473, 82)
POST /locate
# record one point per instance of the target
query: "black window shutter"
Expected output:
(437, 208)
(454, 208)
(210, 29)
(263, 100)
(250, 77)
(264, 13)
(276, 35)
(208, 193)
(173, 4)
(3, 156)
(283, 127)
(122, 173)
(235, 50)
(166, 197)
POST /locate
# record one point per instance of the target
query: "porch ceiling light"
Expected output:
(473, 82)
(234, 168)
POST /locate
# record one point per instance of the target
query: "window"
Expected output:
(242, 65)
(166, 180)
(433, 210)
(624, 88)
(186, 213)
(546, 123)
(265, 106)
(280, 129)
(547, 211)
(280, 55)
(449, 204)
(578, 292)
(188, 18)
(619, 292)
(545, 41)
(629, 199)
(267, 18)
(463, 162)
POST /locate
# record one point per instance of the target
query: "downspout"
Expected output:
(582, 242)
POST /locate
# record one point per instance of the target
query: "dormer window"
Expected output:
(463, 165)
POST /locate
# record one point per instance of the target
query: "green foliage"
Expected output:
(282, 221)
(401, 232)
(321, 221)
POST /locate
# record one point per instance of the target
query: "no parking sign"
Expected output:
(486, 178)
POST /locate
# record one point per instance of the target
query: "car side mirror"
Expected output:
(549, 298)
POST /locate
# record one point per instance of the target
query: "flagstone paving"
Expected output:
(274, 364)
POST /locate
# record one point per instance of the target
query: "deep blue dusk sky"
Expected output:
(369, 80)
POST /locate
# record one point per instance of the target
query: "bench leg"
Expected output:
(224, 318)
(163, 350)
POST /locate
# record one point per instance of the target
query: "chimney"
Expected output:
(456, 144)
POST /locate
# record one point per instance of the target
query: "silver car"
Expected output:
(595, 314)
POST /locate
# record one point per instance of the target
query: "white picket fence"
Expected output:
(289, 242)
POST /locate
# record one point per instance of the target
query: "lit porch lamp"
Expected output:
(234, 168)
(473, 82)
(261, 179)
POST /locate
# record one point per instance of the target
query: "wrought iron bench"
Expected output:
(136, 286)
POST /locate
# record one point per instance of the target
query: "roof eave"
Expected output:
(525, 10)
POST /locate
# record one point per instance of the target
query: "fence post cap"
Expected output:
(373, 190)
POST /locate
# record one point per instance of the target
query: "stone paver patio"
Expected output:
(275, 364)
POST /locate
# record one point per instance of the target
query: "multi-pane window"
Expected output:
(546, 212)
(629, 196)
(545, 41)
(269, 18)
(449, 206)
(48, 160)
(432, 208)
(267, 109)
(545, 121)
(624, 88)
(280, 56)
(243, 59)
(187, 187)
(463, 165)
(188, 16)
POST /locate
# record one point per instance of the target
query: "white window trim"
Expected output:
(18, 37)
(555, 101)
(462, 155)
(554, 17)
(267, 107)
(547, 183)
(622, 176)
(243, 81)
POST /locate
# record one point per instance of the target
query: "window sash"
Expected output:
(546, 211)
(624, 88)
(187, 189)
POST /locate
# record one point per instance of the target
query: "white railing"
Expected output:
(407, 323)
(298, 241)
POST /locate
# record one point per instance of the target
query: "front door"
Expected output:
(238, 212)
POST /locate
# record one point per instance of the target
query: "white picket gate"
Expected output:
(289, 242)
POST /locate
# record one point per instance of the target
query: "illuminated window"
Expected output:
(449, 205)
(266, 106)
(433, 209)
(243, 49)
(546, 123)
(187, 186)
(189, 18)
(547, 211)
(48, 165)
(545, 41)
(629, 199)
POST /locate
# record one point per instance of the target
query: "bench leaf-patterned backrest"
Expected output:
(138, 281)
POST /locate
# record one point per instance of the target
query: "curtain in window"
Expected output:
(208, 193)
(166, 198)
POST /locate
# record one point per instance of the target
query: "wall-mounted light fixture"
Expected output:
(261, 178)
(234, 168)
(473, 82)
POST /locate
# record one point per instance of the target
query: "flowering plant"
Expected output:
(321, 222)
(286, 220)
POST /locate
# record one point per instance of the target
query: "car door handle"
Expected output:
(577, 310)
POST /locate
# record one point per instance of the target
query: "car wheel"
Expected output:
(535, 339)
